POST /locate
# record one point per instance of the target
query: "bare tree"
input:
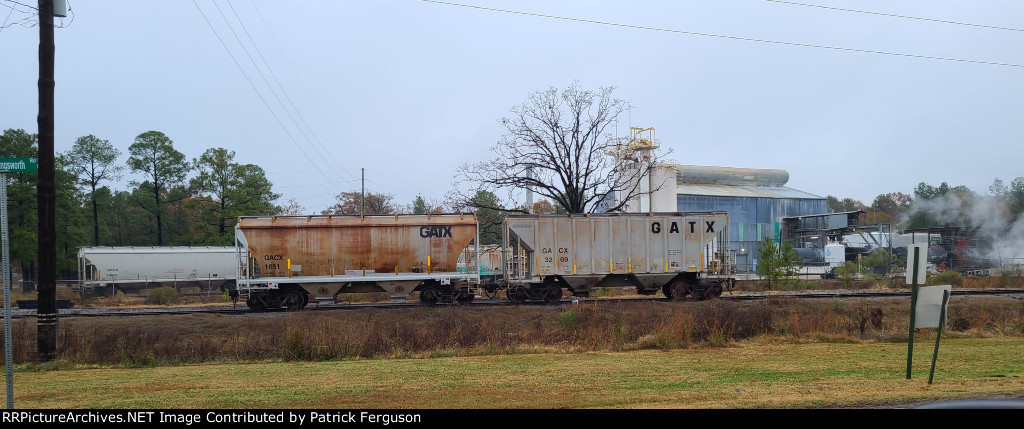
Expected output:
(292, 208)
(559, 145)
(351, 203)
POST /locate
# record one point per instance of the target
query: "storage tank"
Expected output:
(326, 255)
(651, 251)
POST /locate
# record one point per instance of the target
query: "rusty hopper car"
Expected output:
(284, 261)
(680, 254)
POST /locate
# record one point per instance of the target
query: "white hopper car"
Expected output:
(103, 270)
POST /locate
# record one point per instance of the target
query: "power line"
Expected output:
(31, 20)
(896, 16)
(27, 22)
(285, 129)
(262, 76)
(21, 4)
(285, 92)
(746, 39)
(304, 89)
(6, 19)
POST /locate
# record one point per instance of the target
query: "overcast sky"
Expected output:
(315, 91)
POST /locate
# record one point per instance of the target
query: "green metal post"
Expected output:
(942, 321)
(913, 304)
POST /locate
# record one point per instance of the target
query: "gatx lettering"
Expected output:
(656, 227)
(435, 231)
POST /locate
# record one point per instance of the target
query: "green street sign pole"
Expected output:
(7, 292)
(913, 305)
(9, 165)
(942, 321)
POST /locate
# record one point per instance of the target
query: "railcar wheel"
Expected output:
(679, 290)
(465, 296)
(516, 295)
(553, 294)
(292, 301)
(700, 294)
(428, 296)
(255, 304)
(227, 286)
(716, 290)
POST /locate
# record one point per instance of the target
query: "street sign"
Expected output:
(932, 304)
(19, 165)
(917, 266)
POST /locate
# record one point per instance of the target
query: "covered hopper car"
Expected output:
(103, 270)
(680, 254)
(285, 261)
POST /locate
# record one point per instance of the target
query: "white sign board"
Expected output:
(929, 305)
(922, 262)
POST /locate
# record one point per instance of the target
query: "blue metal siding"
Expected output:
(751, 218)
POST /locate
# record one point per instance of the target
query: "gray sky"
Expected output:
(410, 90)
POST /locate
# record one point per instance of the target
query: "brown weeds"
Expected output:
(449, 331)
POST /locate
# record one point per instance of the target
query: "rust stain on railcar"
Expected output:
(332, 245)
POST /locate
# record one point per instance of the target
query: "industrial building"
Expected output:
(756, 199)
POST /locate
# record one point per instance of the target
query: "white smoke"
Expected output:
(998, 238)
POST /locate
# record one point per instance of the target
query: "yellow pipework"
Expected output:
(428, 264)
(289, 268)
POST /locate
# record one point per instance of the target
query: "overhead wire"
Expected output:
(7, 19)
(721, 36)
(401, 190)
(32, 19)
(285, 92)
(322, 154)
(895, 15)
(21, 4)
(29, 21)
(258, 94)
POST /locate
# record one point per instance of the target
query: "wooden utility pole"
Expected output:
(47, 279)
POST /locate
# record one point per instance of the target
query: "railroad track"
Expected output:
(738, 296)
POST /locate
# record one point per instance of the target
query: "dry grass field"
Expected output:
(780, 352)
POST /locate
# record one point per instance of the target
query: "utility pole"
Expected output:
(362, 199)
(529, 189)
(46, 284)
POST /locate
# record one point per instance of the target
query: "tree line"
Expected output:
(558, 145)
(940, 206)
(172, 201)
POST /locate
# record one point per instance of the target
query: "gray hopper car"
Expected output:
(680, 254)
